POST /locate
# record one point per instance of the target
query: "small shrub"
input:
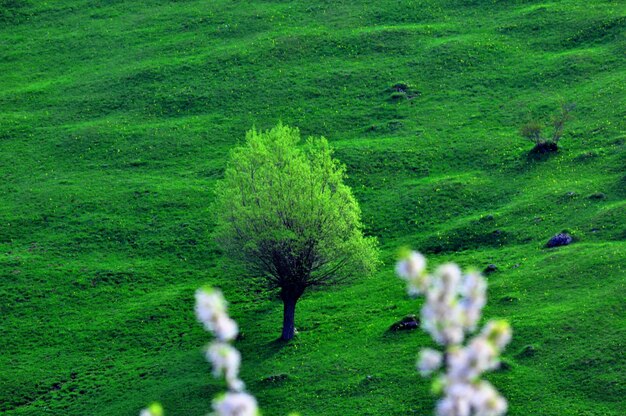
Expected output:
(533, 131)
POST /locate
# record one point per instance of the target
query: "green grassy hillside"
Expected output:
(115, 122)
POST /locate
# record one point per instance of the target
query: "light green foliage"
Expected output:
(285, 213)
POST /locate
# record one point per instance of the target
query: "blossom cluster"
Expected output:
(226, 359)
(211, 311)
(454, 302)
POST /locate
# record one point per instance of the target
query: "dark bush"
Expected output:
(533, 131)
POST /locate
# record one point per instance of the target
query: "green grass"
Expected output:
(115, 122)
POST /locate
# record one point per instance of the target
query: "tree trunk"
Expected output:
(289, 313)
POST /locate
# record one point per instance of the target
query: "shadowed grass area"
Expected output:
(116, 119)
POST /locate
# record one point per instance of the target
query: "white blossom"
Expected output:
(445, 407)
(450, 276)
(468, 363)
(473, 289)
(411, 266)
(459, 369)
(487, 401)
(498, 333)
(482, 354)
(211, 312)
(236, 404)
(442, 314)
(209, 302)
(457, 406)
(411, 269)
(226, 329)
(226, 361)
(429, 361)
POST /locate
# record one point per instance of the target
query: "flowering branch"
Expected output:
(226, 359)
(453, 307)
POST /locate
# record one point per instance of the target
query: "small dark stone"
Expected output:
(597, 196)
(403, 90)
(594, 230)
(275, 378)
(407, 323)
(570, 194)
(491, 268)
(562, 239)
(527, 352)
(508, 299)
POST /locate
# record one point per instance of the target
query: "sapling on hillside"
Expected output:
(533, 131)
(454, 301)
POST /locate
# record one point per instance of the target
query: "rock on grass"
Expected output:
(561, 239)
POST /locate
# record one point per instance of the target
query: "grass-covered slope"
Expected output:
(116, 119)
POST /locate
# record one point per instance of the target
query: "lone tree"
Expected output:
(284, 213)
(532, 131)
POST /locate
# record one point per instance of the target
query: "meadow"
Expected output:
(116, 119)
